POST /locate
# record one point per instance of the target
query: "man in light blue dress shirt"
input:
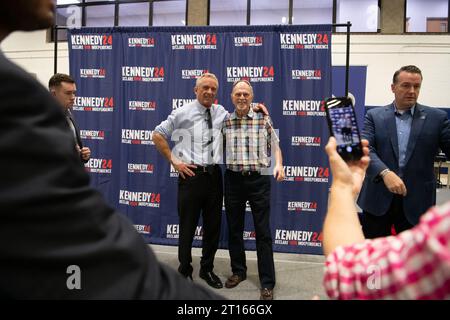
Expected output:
(196, 158)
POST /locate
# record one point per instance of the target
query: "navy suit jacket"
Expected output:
(77, 135)
(51, 219)
(430, 130)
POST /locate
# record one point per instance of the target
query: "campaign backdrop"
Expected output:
(129, 79)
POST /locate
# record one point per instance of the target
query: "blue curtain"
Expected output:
(130, 79)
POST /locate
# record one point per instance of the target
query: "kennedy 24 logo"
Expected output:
(109, 102)
(106, 164)
(322, 38)
(268, 71)
(159, 72)
(106, 40)
(211, 39)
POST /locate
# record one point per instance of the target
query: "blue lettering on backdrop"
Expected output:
(130, 79)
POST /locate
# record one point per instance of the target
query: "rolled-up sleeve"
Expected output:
(167, 126)
(269, 128)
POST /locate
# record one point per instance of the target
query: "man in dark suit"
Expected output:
(63, 88)
(58, 238)
(403, 137)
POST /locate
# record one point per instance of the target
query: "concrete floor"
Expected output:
(298, 276)
(442, 195)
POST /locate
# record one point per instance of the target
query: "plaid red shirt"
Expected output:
(247, 141)
(412, 265)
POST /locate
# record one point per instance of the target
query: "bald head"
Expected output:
(242, 97)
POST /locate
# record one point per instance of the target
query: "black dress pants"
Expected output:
(256, 189)
(202, 193)
(380, 226)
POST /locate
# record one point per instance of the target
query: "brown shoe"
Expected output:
(233, 281)
(266, 294)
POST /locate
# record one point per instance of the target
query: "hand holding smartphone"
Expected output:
(342, 125)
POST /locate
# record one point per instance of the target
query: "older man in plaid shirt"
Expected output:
(248, 143)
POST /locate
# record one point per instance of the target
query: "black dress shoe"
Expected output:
(211, 279)
(186, 272)
(187, 276)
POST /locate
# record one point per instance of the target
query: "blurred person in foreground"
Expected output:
(58, 237)
(414, 264)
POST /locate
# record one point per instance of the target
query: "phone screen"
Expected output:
(343, 126)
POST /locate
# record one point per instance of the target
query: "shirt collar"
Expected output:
(401, 112)
(201, 108)
(250, 114)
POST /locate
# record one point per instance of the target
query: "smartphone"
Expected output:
(342, 124)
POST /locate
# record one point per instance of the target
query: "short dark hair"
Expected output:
(410, 69)
(56, 79)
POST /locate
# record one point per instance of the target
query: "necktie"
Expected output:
(208, 118)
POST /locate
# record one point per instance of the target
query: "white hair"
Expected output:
(206, 75)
